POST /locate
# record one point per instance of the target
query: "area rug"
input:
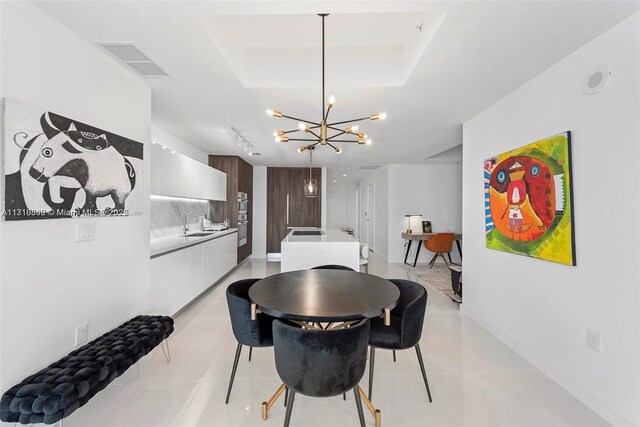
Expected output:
(438, 277)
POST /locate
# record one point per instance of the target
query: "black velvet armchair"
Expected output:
(320, 363)
(252, 333)
(405, 330)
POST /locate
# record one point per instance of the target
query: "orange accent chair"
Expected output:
(441, 244)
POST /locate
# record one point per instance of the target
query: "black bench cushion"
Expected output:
(58, 390)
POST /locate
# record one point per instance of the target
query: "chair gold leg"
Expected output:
(377, 414)
(267, 405)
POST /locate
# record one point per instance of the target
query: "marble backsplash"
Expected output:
(167, 215)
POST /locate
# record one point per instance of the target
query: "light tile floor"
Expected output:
(475, 379)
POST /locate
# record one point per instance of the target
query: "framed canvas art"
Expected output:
(57, 167)
(529, 201)
(426, 226)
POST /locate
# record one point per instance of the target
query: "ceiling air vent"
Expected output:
(133, 57)
(368, 168)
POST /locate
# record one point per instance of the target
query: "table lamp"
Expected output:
(409, 216)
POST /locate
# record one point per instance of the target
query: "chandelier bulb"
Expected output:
(331, 100)
(383, 116)
(379, 116)
(338, 150)
(353, 129)
(273, 113)
(301, 149)
(303, 126)
(368, 141)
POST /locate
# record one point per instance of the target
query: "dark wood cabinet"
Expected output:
(239, 179)
(287, 206)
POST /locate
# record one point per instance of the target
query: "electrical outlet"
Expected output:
(594, 341)
(85, 231)
(82, 333)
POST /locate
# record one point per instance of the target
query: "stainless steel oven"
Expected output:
(242, 233)
(243, 202)
(243, 219)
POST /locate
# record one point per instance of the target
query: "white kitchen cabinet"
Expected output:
(176, 278)
(218, 257)
(176, 175)
(180, 276)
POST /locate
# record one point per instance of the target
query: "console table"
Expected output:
(421, 237)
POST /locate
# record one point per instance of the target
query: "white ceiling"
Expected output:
(363, 49)
(220, 59)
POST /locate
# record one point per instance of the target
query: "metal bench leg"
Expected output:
(166, 352)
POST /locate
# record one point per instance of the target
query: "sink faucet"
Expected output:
(186, 227)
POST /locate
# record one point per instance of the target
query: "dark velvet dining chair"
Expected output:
(252, 333)
(332, 267)
(405, 330)
(321, 363)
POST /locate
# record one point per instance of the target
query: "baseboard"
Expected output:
(588, 399)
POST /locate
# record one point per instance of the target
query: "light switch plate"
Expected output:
(82, 333)
(594, 341)
(85, 231)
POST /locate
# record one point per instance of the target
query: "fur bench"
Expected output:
(56, 391)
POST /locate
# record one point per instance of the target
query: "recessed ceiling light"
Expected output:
(344, 174)
(335, 180)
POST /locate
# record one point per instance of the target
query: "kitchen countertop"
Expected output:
(329, 236)
(166, 245)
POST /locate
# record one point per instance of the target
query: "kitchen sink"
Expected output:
(199, 234)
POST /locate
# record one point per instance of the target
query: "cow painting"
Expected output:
(64, 168)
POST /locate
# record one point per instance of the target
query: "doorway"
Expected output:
(366, 216)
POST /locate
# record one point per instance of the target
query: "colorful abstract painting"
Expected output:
(528, 201)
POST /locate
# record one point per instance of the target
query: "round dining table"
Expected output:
(309, 297)
(324, 295)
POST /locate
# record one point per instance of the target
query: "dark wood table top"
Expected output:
(324, 295)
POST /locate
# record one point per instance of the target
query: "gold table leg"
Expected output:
(267, 405)
(375, 412)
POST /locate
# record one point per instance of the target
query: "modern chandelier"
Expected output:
(321, 130)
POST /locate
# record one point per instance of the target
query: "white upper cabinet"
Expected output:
(173, 174)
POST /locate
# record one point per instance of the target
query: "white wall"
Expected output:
(341, 205)
(167, 139)
(259, 239)
(380, 180)
(543, 309)
(433, 191)
(48, 282)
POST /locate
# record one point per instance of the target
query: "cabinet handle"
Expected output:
(287, 218)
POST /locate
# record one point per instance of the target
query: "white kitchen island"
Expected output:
(302, 252)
